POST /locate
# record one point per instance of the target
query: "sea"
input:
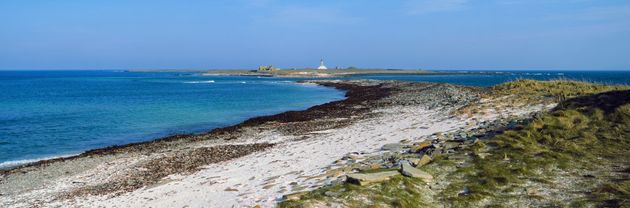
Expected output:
(46, 114)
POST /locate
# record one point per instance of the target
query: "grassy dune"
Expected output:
(575, 155)
(578, 153)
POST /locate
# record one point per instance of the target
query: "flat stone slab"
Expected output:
(410, 171)
(416, 148)
(424, 160)
(367, 178)
(393, 147)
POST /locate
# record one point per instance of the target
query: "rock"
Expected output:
(332, 194)
(421, 146)
(352, 156)
(410, 171)
(425, 159)
(483, 155)
(463, 135)
(375, 166)
(230, 189)
(451, 145)
(414, 161)
(294, 196)
(393, 147)
(367, 178)
(464, 192)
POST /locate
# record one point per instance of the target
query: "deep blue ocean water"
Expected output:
(56, 113)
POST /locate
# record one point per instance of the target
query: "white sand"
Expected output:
(262, 178)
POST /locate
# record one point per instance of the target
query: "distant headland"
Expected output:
(294, 72)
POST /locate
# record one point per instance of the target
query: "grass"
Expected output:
(522, 93)
(575, 155)
(399, 191)
(590, 139)
(566, 88)
(552, 90)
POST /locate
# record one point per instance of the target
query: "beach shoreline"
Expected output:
(33, 163)
(225, 133)
(255, 162)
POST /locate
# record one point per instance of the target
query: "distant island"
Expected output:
(305, 72)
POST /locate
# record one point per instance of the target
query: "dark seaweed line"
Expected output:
(355, 94)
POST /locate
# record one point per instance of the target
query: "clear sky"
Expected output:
(430, 34)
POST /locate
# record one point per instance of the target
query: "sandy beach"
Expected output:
(254, 163)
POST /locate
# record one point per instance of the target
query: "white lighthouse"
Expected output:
(321, 65)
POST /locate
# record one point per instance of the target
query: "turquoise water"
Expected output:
(491, 78)
(47, 114)
(55, 113)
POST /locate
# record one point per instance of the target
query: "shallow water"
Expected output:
(492, 78)
(47, 114)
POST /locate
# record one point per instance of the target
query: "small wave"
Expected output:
(14, 163)
(200, 82)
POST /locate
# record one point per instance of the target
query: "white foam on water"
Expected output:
(14, 163)
(200, 82)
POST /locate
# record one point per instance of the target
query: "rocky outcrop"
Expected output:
(367, 178)
(407, 170)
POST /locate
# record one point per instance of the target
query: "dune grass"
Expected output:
(399, 191)
(575, 155)
(566, 151)
(552, 90)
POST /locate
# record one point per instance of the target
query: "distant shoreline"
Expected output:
(304, 73)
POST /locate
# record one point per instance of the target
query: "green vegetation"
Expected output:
(269, 68)
(399, 191)
(575, 155)
(553, 90)
(579, 155)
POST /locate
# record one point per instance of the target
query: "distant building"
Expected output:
(266, 68)
(321, 65)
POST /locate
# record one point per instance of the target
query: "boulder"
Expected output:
(367, 178)
(393, 147)
(410, 171)
(421, 146)
(414, 161)
(425, 159)
(294, 196)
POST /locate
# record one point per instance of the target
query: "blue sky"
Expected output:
(430, 34)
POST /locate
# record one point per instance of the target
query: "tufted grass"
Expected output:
(575, 155)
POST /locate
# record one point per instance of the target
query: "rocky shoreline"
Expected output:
(362, 98)
(265, 160)
(547, 156)
(354, 94)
